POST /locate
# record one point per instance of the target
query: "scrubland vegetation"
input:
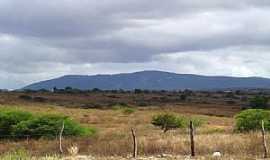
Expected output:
(17, 124)
(105, 131)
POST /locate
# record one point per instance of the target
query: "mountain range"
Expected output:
(151, 80)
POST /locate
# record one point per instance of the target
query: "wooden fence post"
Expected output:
(264, 141)
(192, 144)
(27, 139)
(135, 146)
(60, 138)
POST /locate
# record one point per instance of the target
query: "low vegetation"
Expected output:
(128, 110)
(215, 121)
(251, 120)
(124, 108)
(19, 124)
(168, 121)
(259, 102)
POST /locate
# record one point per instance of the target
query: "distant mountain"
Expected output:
(151, 80)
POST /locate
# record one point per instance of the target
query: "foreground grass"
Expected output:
(15, 157)
(175, 144)
(24, 155)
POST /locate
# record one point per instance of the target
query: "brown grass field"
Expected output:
(114, 138)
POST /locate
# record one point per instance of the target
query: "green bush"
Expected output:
(259, 102)
(251, 119)
(9, 118)
(20, 123)
(168, 121)
(49, 126)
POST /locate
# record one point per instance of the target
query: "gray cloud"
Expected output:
(45, 39)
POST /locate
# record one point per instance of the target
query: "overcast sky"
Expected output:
(42, 39)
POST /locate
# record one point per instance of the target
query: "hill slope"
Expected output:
(152, 80)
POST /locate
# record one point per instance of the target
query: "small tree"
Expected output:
(250, 120)
(168, 121)
(259, 102)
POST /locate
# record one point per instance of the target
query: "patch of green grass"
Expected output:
(125, 109)
(197, 121)
(128, 110)
(116, 107)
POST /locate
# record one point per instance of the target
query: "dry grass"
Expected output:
(114, 139)
(82, 157)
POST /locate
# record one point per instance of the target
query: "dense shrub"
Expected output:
(259, 102)
(9, 118)
(20, 124)
(168, 121)
(251, 119)
(49, 126)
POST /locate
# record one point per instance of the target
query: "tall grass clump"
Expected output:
(19, 154)
(19, 124)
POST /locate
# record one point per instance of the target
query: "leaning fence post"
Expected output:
(192, 144)
(135, 146)
(264, 141)
(60, 137)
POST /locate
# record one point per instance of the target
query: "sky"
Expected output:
(40, 40)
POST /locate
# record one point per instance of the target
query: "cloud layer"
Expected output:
(46, 39)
